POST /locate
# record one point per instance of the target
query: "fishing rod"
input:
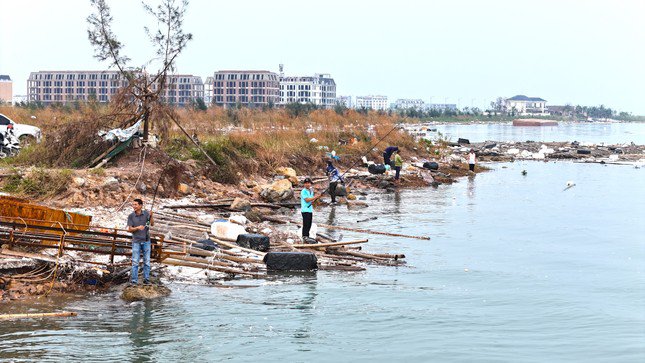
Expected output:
(364, 154)
(153, 204)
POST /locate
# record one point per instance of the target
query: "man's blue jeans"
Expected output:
(136, 253)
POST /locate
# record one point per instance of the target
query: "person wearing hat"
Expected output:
(307, 197)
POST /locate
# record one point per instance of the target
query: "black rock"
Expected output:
(291, 261)
(207, 244)
(490, 145)
(584, 151)
(376, 169)
(256, 242)
(463, 141)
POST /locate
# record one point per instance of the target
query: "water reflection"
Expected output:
(306, 305)
(141, 332)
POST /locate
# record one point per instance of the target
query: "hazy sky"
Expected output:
(468, 52)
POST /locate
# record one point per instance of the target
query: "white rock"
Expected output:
(513, 151)
(526, 154)
(539, 156)
(78, 181)
(290, 240)
(613, 157)
(239, 219)
(313, 140)
(266, 231)
(206, 218)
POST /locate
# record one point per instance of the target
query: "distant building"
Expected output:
(208, 90)
(6, 88)
(442, 106)
(250, 88)
(64, 87)
(523, 105)
(20, 99)
(372, 102)
(407, 103)
(319, 90)
(344, 101)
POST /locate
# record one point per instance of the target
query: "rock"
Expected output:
(352, 197)
(110, 184)
(144, 292)
(490, 145)
(141, 187)
(383, 184)
(78, 181)
(341, 190)
(183, 188)
(463, 141)
(291, 261)
(239, 219)
(251, 184)
(584, 151)
(241, 204)
(278, 191)
(207, 244)
(288, 173)
(356, 205)
(206, 218)
(160, 190)
(254, 215)
(226, 230)
(513, 151)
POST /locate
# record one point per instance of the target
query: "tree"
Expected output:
(169, 41)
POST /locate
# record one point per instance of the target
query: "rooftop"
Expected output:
(4, 77)
(524, 98)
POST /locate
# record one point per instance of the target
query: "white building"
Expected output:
(208, 90)
(372, 102)
(319, 90)
(407, 103)
(523, 105)
(344, 101)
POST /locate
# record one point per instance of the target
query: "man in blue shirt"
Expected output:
(139, 223)
(334, 179)
(307, 197)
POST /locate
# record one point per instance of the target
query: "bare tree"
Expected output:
(168, 39)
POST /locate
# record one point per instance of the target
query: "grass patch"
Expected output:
(38, 183)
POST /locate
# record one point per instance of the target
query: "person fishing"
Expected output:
(307, 197)
(398, 164)
(334, 178)
(387, 154)
(471, 160)
(139, 222)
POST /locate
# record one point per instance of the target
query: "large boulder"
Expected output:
(279, 191)
(144, 292)
(288, 173)
(241, 204)
(110, 184)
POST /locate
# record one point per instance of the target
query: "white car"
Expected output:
(26, 133)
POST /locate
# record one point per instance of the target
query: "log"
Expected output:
(203, 266)
(331, 244)
(35, 256)
(230, 245)
(37, 315)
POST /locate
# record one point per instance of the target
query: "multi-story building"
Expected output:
(407, 103)
(523, 105)
(6, 89)
(344, 101)
(372, 102)
(249, 88)
(208, 90)
(319, 90)
(49, 87)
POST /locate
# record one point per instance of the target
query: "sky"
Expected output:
(469, 52)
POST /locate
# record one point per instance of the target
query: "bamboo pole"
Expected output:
(37, 315)
(372, 232)
(170, 261)
(230, 245)
(331, 244)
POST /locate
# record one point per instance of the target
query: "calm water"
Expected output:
(592, 132)
(517, 270)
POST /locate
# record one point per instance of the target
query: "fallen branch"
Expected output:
(331, 244)
(37, 315)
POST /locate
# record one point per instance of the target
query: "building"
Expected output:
(250, 88)
(407, 103)
(48, 87)
(344, 101)
(208, 90)
(442, 106)
(6, 89)
(319, 90)
(372, 102)
(523, 105)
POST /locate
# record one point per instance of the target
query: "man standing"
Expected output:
(471, 160)
(307, 197)
(139, 223)
(334, 179)
(398, 164)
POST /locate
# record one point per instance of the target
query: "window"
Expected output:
(4, 120)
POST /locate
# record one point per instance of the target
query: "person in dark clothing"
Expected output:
(334, 179)
(387, 154)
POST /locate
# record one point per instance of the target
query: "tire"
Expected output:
(26, 140)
